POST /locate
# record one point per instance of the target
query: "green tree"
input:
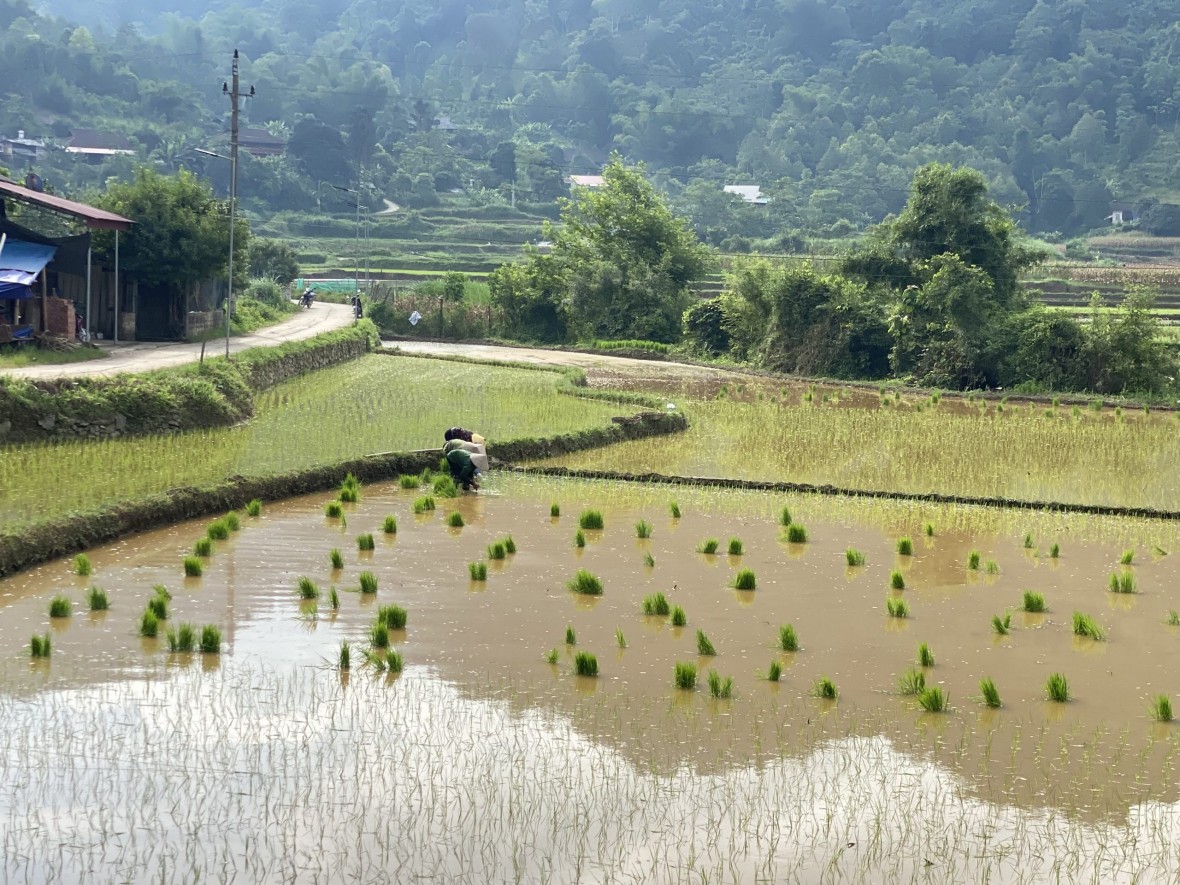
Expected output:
(181, 233)
(626, 259)
(273, 260)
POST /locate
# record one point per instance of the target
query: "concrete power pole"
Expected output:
(234, 93)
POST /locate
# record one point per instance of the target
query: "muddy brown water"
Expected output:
(488, 639)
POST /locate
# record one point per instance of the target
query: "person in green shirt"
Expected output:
(463, 469)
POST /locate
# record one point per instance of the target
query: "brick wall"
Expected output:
(59, 317)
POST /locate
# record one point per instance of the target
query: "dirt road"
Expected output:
(143, 356)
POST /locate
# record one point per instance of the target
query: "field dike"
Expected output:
(804, 488)
(216, 393)
(48, 540)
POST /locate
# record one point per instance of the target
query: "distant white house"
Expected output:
(585, 180)
(1122, 213)
(21, 148)
(751, 193)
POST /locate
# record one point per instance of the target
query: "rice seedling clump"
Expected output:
(210, 639)
(182, 638)
(232, 521)
(40, 646)
(704, 646)
(365, 542)
(336, 558)
(620, 639)
(905, 547)
(97, 597)
(555, 510)
(1033, 601)
(1173, 618)
(1123, 582)
(59, 607)
(254, 508)
(308, 588)
(478, 571)
(333, 599)
(643, 529)
(425, 504)
(496, 551)
(368, 583)
(585, 664)
(1028, 541)
(685, 675)
(82, 566)
(585, 583)
(1057, 687)
(203, 547)
(897, 608)
(649, 561)
(333, 510)
(719, 687)
(455, 520)
(896, 580)
(678, 618)
(796, 534)
(933, 699)
(379, 635)
(992, 567)
(393, 661)
(591, 520)
(344, 659)
(989, 693)
(392, 616)
(744, 580)
(824, 688)
(571, 638)
(925, 655)
(509, 545)
(551, 656)
(736, 548)
(774, 672)
(784, 517)
(912, 681)
(973, 560)
(656, 604)
(1128, 557)
(674, 509)
(408, 482)
(787, 638)
(1161, 708)
(444, 487)
(149, 624)
(389, 526)
(928, 530)
(1085, 625)
(217, 530)
(579, 539)
(708, 546)
(193, 567)
(1055, 551)
(854, 557)
(1002, 624)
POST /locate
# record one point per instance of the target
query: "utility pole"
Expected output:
(234, 94)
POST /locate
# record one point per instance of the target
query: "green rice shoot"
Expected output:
(336, 558)
(455, 519)
(656, 604)
(824, 688)
(989, 693)
(210, 643)
(368, 583)
(478, 571)
(925, 655)
(708, 546)
(97, 597)
(584, 583)
(905, 547)
(896, 580)
(704, 646)
(719, 687)
(193, 568)
(1085, 625)
(911, 682)
(585, 664)
(788, 640)
(854, 557)
(796, 534)
(643, 529)
(1057, 687)
(591, 520)
(389, 526)
(60, 607)
(933, 699)
(736, 548)
(1033, 601)
(897, 608)
(685, 675)
(308, 588)
(678, 618)
(1002, 624)
(744, 580)
(571, 638)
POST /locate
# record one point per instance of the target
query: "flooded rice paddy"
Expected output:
(482, 762)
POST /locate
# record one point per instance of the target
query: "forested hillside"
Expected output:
(829, 107)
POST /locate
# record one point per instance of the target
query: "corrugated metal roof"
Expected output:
(95, 218)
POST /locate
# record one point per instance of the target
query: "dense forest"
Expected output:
(829, 106)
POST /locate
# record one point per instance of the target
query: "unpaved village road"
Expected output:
(143, 356)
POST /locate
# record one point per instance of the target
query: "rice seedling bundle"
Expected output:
(365, 542)
(424, 504)
(344, 659)
(389, 526)
(203, 547)
(182, 638)
(496, 551)
(392, 616)
(656, 604)
(232, 521)
(334, 599)
(408, 482)
(554, 510)
(649, 561)
(896, 580)
(973, 560)
(719, 687)
(825, 688)
(571, 638)
(509, 545)
(992, 567)
(585, 664)
(1055, 551)
(1033, 601)
(905, 547)
(854, 557)
(933, 699)
(379, 635)
(685, 675)
(308, 588)
(774, 672)
(925, 655)
(579, 539)
(455, 520)
(1123, 582)
(1085, 625)
(60, 607)
(444, 487)
(368, 583)
(620, 639)
(349, 495)
(989, 693)
(82, 566)
(1173, 618)
(333, 510)
(1028, 541)
(393, 661)
(149, 624)
(678, 618)
(97, 597)
(674, 509)
(336, 558)
(478, 571)
(1161, 708)
(254, 508)
(708, 546)
(590, 520)
(744, 580)
(158, 606)
(551, 656)
(912, 681)
(787, 638)
(796, 534)
(704, 646)
(40, 646)
(210, 639)
(643, 529)
(784, 517)
(585, 583)
(1057, 687)
(193, 567)
(736, 547)
(162, 591)
(1002, 624)
(928, 530)
(217, 530)
(897, 608)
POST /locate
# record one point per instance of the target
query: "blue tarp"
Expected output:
(20, 262)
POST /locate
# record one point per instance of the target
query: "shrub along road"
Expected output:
(143, 356)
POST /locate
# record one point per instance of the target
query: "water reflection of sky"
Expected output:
(262, 775)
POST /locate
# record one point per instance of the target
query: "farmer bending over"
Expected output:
(463, 469)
